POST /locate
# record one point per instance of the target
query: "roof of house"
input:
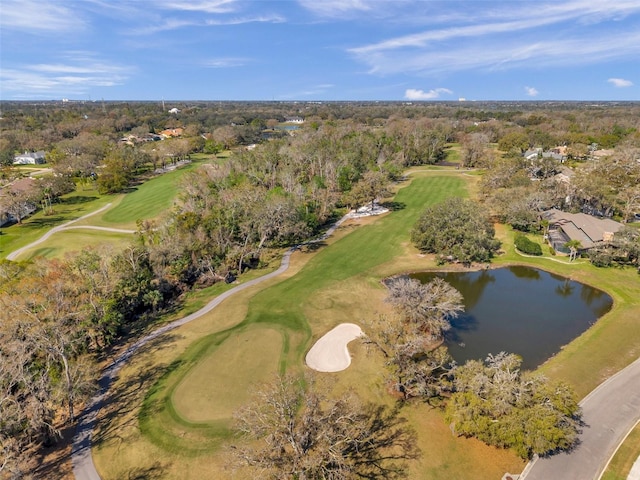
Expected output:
(38, 154)
(579, 226)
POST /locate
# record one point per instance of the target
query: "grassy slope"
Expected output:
(147, 200)
(74, 240)
(623, 460)
(336, 284)
(71, 207)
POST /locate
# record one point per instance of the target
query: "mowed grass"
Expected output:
(70, 207)
(338, 282)
(625, 457)
(209, 393)
(69, 241)
(147, 200)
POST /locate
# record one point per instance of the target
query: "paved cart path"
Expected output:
(609, 412)
(66, 226)
(83, 466)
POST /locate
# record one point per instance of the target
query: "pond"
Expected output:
(520, 310)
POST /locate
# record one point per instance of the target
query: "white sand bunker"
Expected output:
(330, 353)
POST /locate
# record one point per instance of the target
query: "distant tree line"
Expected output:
(57, 317)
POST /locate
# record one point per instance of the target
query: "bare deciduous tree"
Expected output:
(298, 432)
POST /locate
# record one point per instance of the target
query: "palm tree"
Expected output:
(573, 246)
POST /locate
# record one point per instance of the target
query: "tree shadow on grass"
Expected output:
(157, 470)
(122, 399)
(394, 206)
(77, 200)
(312, 247)
(44, 222)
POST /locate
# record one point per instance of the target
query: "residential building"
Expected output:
(29, 158)
(587, 229)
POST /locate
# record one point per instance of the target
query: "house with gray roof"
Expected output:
(587, 229)
(29, 158)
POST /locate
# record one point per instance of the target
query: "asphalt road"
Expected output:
(609, 412)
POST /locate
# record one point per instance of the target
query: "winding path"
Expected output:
(609, 412)
(82, 462)
(83, 467)
(66, 226)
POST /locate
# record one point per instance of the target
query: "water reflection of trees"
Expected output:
(565, 288)
(526, 273)
(470, 284)
(599, 301)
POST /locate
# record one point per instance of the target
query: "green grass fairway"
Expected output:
(70, 207)
(211, 390)
(149, 199)
(68, 241)
(351, 259)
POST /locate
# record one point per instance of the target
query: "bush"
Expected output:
(527, 246)
(601, 258)
(456, 230)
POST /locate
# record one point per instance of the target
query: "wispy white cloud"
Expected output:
(177, 23)
(226, 62)
(206, 6)
(39, 16)
(76, 77)
(620, 82)
(531, 91)
(414, 94)
(497, 54)
(505, 38)
(336, 8)
(270, 18)
(312, 91)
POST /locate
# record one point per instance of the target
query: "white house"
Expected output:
(29, 158)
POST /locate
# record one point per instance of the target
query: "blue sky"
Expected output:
(315, 50)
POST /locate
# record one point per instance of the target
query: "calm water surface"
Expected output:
(519, 309)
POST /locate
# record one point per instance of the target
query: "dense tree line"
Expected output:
(63, 314)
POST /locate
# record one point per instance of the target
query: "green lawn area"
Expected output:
(74, 240)
(144, 201)
(147, 200)
(624, 458)
(336, 282)
(70, 207)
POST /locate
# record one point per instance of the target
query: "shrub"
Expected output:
(456, 230)
(600, 258)
(527, 246)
